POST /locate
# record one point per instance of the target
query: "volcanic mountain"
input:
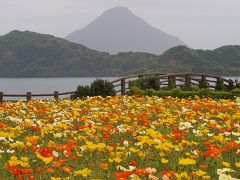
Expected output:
(119, 30)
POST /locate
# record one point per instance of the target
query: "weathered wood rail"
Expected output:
(121, 84)
(56, 95)
(172, 79)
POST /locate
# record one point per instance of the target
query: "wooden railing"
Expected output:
(191, 79)
(121, 84)
(172, 79)
(28, 96)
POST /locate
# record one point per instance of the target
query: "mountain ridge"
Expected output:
(30, 54)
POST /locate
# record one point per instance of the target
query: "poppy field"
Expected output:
(121, 137)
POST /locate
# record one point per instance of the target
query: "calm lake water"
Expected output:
(43, 85)
(48, 85)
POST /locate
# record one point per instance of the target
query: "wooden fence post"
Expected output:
(123, 90)
(203, 83)
(1, 97)
(204, 78)
(187, 80)
(56, 96)
(231, 84)
(29, 96)
(171, 82)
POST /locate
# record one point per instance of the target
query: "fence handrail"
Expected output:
(193, 74)
(29, 95)
(23, 95)
(136, 75)
(172, 78)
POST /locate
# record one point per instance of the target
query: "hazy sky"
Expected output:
(203, 24)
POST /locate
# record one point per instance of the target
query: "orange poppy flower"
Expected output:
(203, 166)
(51, 170)
(67, 169)
(103, 166)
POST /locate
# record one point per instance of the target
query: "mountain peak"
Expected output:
(14, 32)
(119, 30)
(21, 32)
(118, 10)
(114, 16)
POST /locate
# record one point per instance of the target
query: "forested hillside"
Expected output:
(29, 54)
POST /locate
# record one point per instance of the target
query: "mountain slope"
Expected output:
(119, 30)
(222, 61)
(29, 54)
(224, 55)
(32, 54)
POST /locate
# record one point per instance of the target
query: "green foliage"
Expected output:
(149, 92)
(203, 84)
(220, 95)
(102, 88)
(152, 82)
(214, 94)
(221, 92)
(191, 88)
(145, 83)
(29, 54)
(204, 92)
(177, 92)
(136, 83)
(136, 91)
(82, 91)
(98, 87)
(220, 84)
(235, 93)
(162, 93)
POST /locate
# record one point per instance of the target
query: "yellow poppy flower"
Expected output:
(187, 161)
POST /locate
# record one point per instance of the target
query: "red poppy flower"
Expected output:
(232, 145)
(133, 163)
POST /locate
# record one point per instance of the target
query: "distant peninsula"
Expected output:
(30, 54)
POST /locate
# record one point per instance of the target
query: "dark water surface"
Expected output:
(43, 85)
(48, 85)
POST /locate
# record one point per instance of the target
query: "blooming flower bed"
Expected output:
(120, 138)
